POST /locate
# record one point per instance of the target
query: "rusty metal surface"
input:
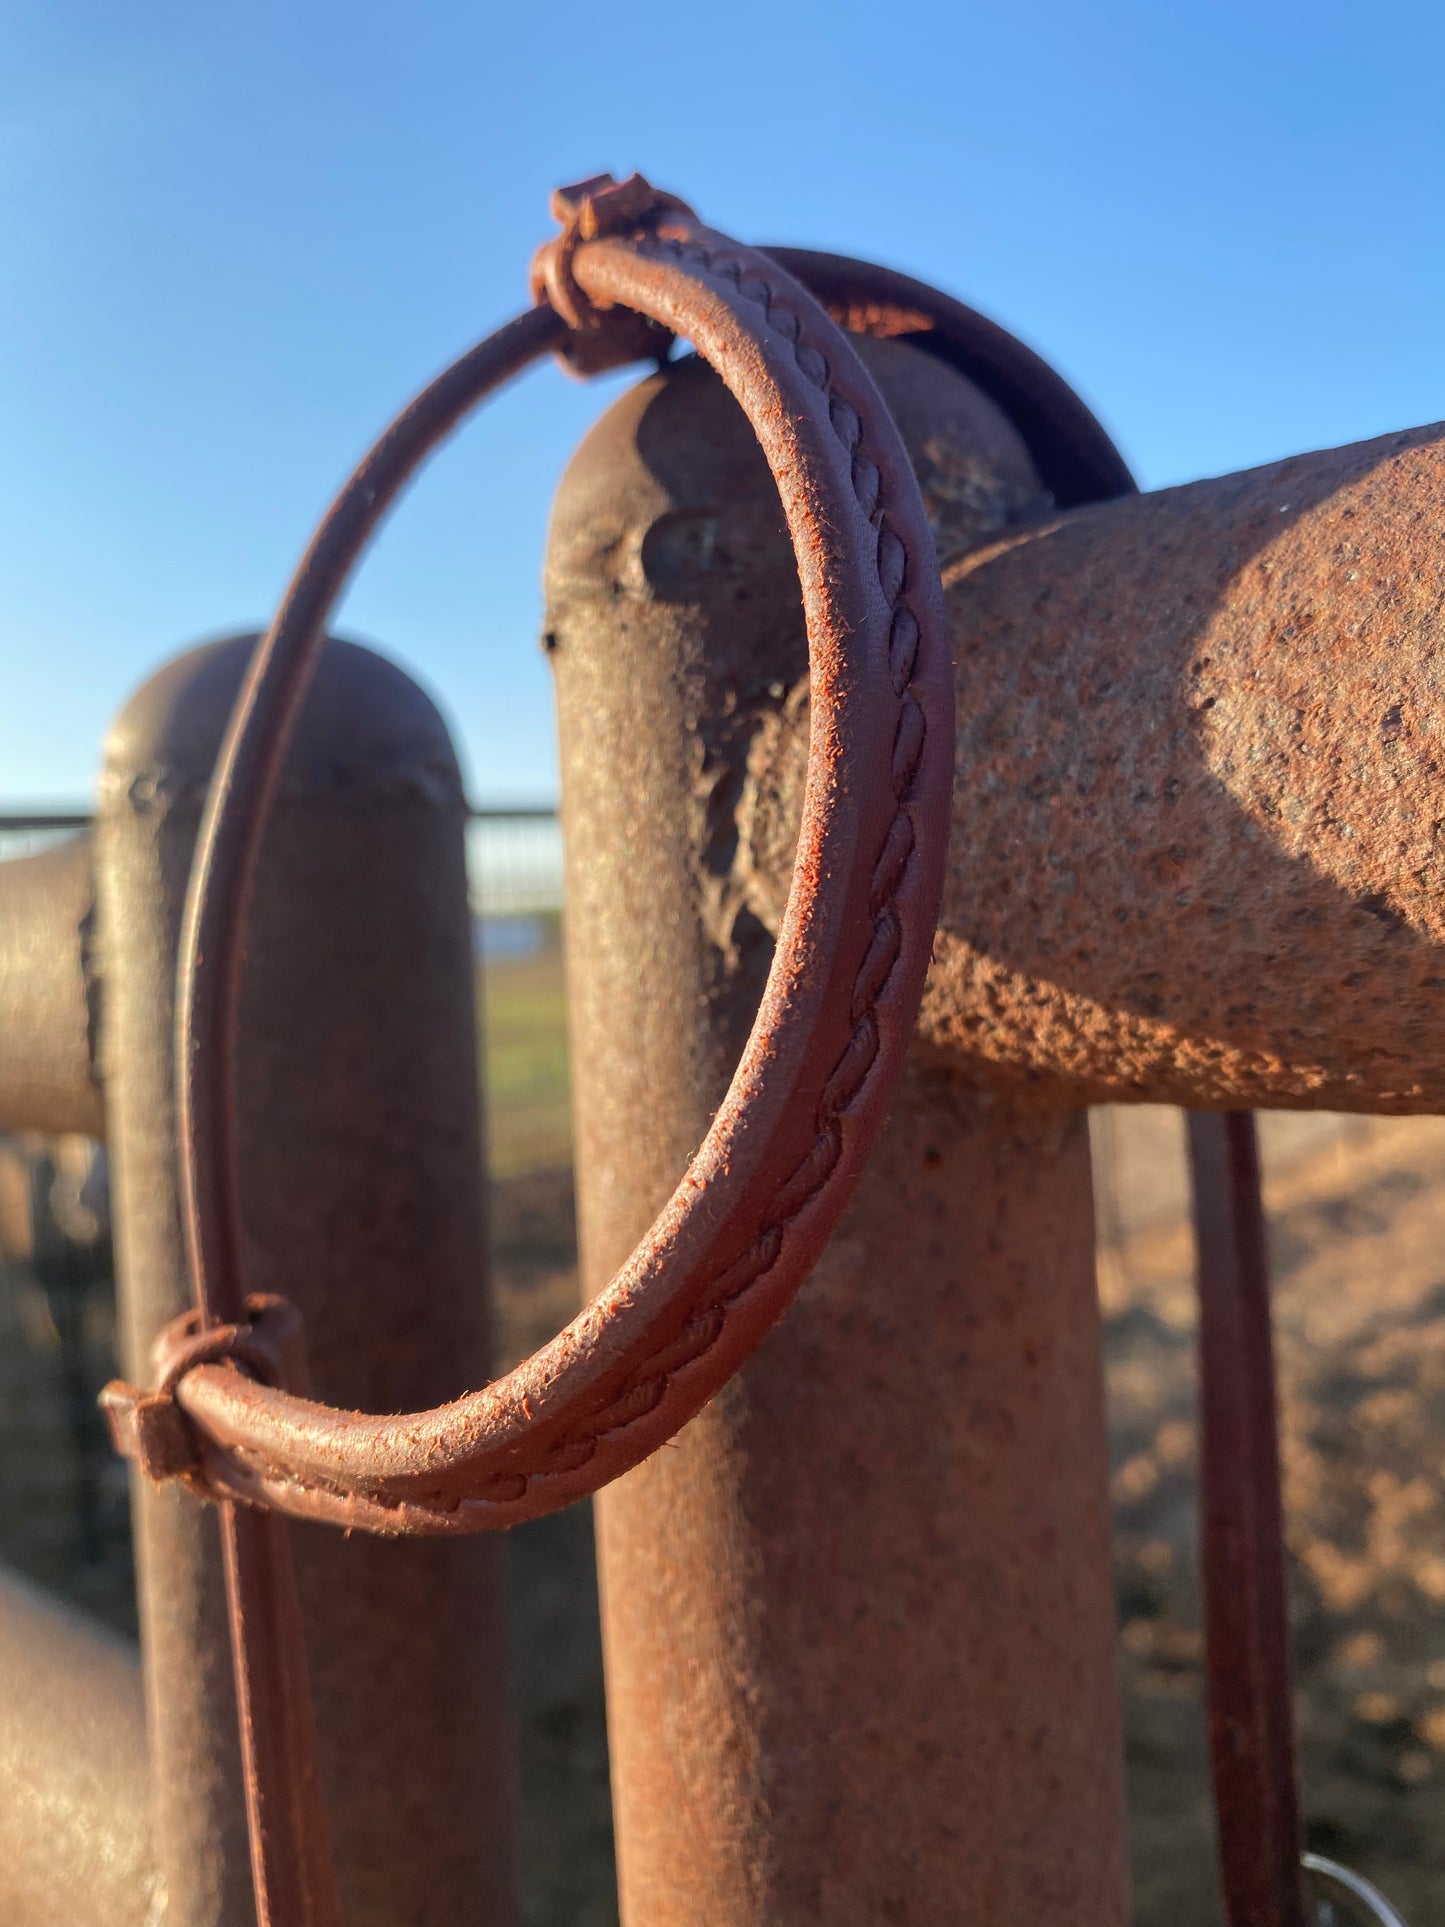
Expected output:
(1196, 855)
(48, 996)
(859, 1622)
(75, 1832)
(362, 1164)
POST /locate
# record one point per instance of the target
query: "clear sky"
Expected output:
(235, 239)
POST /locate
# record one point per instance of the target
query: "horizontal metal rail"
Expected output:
(26, 821)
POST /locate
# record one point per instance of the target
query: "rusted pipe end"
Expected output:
(1198, 833)
(367, 730)
(675, 623)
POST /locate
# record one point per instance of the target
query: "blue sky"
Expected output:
(235, 240)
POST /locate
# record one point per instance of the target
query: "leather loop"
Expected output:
(748, 1219)
(742, 1230)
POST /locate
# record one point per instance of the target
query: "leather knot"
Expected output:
(150, 1427)
(602, 336)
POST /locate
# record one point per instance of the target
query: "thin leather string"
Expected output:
(293, 1876)
(1242, 1561)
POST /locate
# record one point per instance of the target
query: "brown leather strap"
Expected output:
(292, 1872)
(1246, 1615)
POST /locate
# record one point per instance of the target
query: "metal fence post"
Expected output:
(859, 1623)
(362, 1196)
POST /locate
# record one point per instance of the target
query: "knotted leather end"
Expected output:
(149, 1426)
(601, 337)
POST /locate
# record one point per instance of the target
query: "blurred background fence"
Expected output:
(514, 861)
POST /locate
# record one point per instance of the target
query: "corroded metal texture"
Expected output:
(361, 1161)
(1197, 845)
(860, 1625)
(75, 1828)
(48, 999)
(1196, 853)
(859, 1622)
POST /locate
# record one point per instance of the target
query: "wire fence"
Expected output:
(27, 833)
(514, 854)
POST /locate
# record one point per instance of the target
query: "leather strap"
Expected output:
(293, 1876)
(1242, 1558)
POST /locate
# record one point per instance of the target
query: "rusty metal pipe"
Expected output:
(48, 1000)
(362, 1174)
(859, 1623)
(1198, 852)
(75, 1832)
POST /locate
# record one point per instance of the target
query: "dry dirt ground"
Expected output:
(1358, 1238)
(1358, 1227)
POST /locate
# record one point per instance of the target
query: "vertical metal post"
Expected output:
(362, 1179)
(859, 1622)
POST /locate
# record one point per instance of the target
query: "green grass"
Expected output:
(526, 1082)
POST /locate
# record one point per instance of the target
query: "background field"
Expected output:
(523, 1002)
